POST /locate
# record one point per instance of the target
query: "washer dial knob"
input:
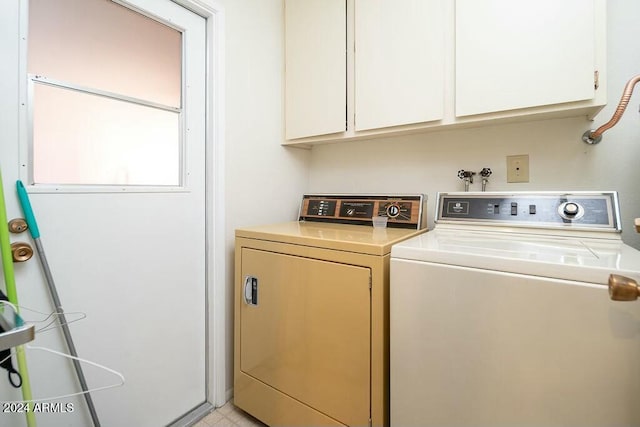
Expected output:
(571, 210)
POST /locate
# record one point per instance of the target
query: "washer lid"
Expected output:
(578, 259)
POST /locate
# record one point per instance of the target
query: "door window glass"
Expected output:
(83, 138)
(105, 95)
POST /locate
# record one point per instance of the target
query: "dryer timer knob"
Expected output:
(393, 210)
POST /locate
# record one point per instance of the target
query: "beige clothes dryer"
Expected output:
(311, 319)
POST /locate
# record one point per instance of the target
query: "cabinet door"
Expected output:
(399, 62)
(514, 53)
(309, 336)
(315, 73)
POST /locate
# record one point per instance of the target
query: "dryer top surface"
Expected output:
(353, 238)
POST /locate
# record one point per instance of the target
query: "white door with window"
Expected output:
(112, 152)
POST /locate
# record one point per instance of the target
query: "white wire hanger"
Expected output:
(51, 318)
(48, 327)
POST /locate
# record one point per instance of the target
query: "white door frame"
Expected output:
(213, 13)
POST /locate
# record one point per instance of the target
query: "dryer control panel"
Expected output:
(586, 210)
(402, 211)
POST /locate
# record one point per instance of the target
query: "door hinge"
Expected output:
(370, 282)
(596, 79)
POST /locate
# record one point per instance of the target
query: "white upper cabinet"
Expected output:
(513, 54)
(399, 62)
(315, 82)
(393, 67)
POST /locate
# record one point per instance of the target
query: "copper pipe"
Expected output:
(593, 137)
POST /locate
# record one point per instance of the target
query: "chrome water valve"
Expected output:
(467, 177)
(485, 173)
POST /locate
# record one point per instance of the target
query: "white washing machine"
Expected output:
(501, 316)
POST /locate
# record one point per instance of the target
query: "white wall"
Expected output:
(264, 181)
(559, 160)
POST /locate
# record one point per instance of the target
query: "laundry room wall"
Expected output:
(264, 181)
(558, 159)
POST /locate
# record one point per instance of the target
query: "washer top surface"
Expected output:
(541, 240)
(578, 259)
(347, 237)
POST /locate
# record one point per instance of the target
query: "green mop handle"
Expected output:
(28, 212)
(12, 295)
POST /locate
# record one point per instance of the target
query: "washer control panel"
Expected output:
(402, 211)
(596, 210)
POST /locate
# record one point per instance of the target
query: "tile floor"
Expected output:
(229, 416)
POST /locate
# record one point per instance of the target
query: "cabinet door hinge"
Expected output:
(370, 281)
(596, 79)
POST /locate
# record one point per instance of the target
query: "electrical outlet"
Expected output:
(518, 168)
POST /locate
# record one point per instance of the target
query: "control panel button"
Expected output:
(532, 209)
(514, 208)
